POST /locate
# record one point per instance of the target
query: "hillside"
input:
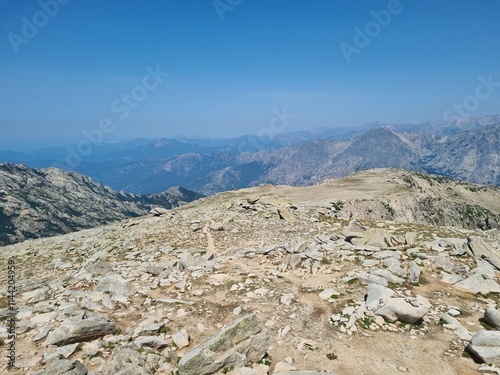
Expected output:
(343, 277)
(45, 202)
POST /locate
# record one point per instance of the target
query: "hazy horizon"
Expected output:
(220, 69)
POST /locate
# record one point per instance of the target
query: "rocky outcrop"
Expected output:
(80, 331)
(243, 341)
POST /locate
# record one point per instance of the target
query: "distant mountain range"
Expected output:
(44, 202)
(466, 149)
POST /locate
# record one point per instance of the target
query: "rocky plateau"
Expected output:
(382, 272)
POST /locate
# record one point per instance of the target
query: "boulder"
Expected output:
(64, 367)
(414, 273)
(158, 211)
(386, 303)
(485, 345)
(388, 276)
(454, 325)
(124, 361)
(181, 339)
(492, 317)
(79, 331)
(483, 250)
(243, 341)
(476, 283)
(116, 285)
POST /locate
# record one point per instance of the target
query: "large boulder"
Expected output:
(80, 330)
(388, 304)
(482, 279)
(483, 250)
(492, 317)
(485, 345)
(243, 341)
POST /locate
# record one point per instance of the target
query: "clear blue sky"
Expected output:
(226, 76)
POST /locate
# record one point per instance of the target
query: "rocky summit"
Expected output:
(45, 202)
(383, 272)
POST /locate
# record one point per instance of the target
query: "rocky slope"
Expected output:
(268, 280)
(45, 202)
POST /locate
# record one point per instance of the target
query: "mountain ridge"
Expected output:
(45, 202)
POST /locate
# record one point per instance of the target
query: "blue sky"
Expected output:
(226, 76)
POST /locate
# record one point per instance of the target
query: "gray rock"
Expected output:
(124, 361)
(313, 254)
(100, 268)
(444, 263)
(181, 339)
(153, 342)
(414, 273)
(242, 342)
(386, 254)
(148, 327)
(366, 278)
(384, 302)
(79, 331)
(64, 367)
(394, 265)
(216, 227)
(61, 352)
(492, 317)
(478, 284)
(155, 270)
(410, 238)
(486, 346)
(116, 285)
(370, 263)
(450, 278)
(453, 324)
(328, 293)
(158, 211)
(481, 249)
(388, 276)
(295, 260)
